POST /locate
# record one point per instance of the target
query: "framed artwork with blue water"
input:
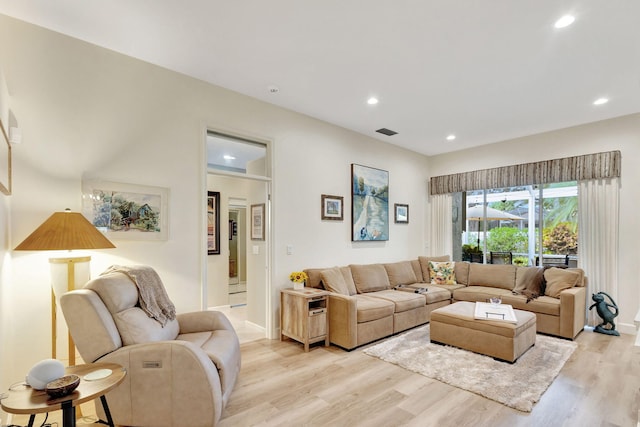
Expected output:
(369, 203)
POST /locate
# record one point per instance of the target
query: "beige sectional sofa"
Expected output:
(372, 301)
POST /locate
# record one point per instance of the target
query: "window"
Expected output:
(231, 154)
(506, 223)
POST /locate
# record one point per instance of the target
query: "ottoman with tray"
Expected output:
(456, 325)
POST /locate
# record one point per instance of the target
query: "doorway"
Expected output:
(238, 280)
(237, 253)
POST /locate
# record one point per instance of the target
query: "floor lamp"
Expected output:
(65, 231)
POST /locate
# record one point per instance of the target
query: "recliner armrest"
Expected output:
(203, 321)
(195, 391)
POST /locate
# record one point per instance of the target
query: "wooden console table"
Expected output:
(26, 400)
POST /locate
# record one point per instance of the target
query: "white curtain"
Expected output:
(598, 209)
(441, 230)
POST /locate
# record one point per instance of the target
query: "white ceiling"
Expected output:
(485, 71)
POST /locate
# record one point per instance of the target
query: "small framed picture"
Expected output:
(401, 213)
(332, 207)
(257, 222)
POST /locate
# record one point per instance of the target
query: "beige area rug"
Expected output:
(519, 385)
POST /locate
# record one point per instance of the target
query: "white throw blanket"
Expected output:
(152, 296)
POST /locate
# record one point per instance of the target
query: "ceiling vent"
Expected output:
(386, 131)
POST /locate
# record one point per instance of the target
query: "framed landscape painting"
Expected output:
(369, 204)
(126, 211)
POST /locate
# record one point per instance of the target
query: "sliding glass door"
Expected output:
(525, 225)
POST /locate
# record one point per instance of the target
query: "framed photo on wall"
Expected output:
(257, 221)
(213, 222)
(401, 213)
(332, 207)
(369, 204)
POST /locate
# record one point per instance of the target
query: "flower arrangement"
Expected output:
(298, 278)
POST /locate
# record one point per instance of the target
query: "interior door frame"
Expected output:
(267, 179)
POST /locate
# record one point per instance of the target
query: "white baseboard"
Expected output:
(626, 328)
(254, 326)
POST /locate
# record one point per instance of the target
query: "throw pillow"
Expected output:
(559, 279)
(333, 281)
(442, 273)
(424, 264)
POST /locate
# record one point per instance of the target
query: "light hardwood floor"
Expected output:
(280, 385)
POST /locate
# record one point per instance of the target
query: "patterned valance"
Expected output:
(577, 168)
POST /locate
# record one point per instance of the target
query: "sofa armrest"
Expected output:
(203, 321)
(573, 311)
(166, 380)
(343, 320)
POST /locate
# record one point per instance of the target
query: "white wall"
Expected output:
(86, 112)
(616, 134)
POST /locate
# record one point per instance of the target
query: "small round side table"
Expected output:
(29, 401)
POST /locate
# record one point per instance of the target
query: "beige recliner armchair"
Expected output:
(178, 374)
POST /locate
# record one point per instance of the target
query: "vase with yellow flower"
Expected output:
(298, 278)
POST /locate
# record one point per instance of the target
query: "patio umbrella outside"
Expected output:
(476, 213)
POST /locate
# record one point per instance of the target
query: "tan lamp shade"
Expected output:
(65, 231)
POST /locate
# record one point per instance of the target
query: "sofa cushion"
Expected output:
(559, 279)
(136, 327)
(116, 290)
(424, 264)
(333, 280)
(400, 273)
(462, 272)
(315, 281)
(496, 276)
(442, 273)
(437, 294)
(542, 305)
(404, 301)
(222, 348)
(479, 293)
(120, 296)
(529, 282)
(417, 270)
(348, 279)
(369, 277)
(581, 280)
(530, 278)
(369, 308)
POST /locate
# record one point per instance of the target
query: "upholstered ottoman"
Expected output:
(455, 325)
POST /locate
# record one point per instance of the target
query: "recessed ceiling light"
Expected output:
(600, 101)
(565, 21)
(228, 157)
(372, 101)
(451, 137)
